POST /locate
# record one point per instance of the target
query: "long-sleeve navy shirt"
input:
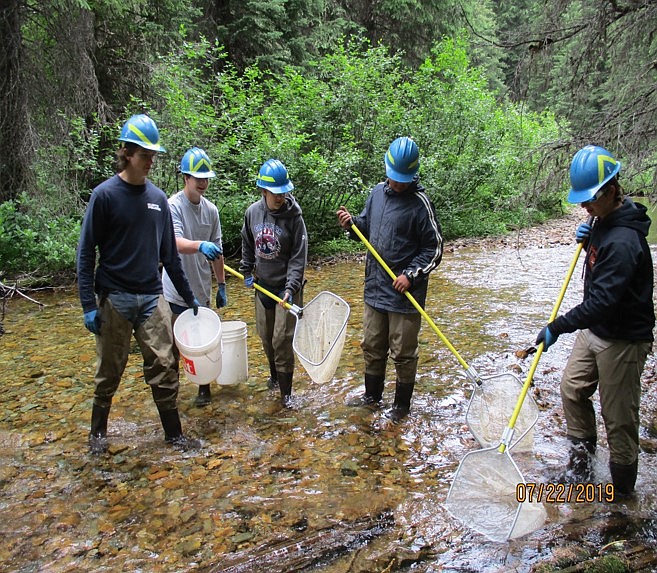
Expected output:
(131, 227)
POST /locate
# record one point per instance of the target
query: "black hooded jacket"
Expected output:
(618, 282)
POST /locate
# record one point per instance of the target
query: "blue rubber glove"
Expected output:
(248, 281)
(583, 232)
(210, 250)
(195, 306)
(546, 337)
(222, 299)
(92, 321)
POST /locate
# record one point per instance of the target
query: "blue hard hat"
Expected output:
(141, 130)
(590, 169)
(402, 160)
(273, 177)
(196, 163)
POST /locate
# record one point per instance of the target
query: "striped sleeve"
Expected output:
(431, 240)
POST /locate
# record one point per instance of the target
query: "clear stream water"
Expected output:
(269, 478)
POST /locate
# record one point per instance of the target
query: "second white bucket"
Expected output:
(235, 368)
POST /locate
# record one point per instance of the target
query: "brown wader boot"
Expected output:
(624, 477)
(402, 403)
(173, 431)
(98, 443)
(373, 391)
(204, 396)
(272, 381)
(580, 462)
(285, 386)
(165, 401)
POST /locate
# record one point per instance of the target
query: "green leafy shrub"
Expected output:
(31, 242)
(332, 123)
(481, 160)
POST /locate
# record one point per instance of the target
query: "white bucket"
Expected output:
(235, 359)
(199, 340)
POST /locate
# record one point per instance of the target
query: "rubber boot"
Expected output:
(204, 396)
(373, 391)
(98, 443)
(580, 462)
(272, 381)
(402, 403)
(285, 386)
(624, 478)
(173, 431)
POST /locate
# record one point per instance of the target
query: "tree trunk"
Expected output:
(15, 149)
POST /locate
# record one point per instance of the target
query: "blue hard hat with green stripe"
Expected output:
(141, 130)
(591, 168)
(273, 177)
(196, 163)
(402, 160)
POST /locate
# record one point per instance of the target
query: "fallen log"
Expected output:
(300, 552)
(8, 292)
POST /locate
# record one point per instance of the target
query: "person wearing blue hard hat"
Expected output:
(127, 230)
(197, 227)
(615, 321)
(400, 222)
(274, 255)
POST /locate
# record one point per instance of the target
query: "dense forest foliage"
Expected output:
(498, 95)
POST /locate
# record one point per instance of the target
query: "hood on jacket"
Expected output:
(629, 214)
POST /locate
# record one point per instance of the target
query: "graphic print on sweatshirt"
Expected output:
(267, 245)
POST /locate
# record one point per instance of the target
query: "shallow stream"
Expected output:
(323, 485)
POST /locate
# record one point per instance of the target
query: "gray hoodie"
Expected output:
(275, 245)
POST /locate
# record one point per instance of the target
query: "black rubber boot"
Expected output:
(285, 386)
(624, 477)
(402, 404)
(272, 381)
(204, 396)
(173, 431)
(373, 391)
(580, 462)
(98, 443)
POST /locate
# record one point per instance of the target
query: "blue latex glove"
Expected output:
(583, 232)
(195, 306)
(248, 281)
(222, 299)
(92, 321)
(546, 337)
(210, 250)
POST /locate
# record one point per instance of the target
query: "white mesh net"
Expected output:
(491, 407)
(320, 334)
(484, 497)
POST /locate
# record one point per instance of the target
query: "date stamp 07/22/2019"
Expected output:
(565, 492)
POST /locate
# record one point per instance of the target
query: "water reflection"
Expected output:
(319, 475)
